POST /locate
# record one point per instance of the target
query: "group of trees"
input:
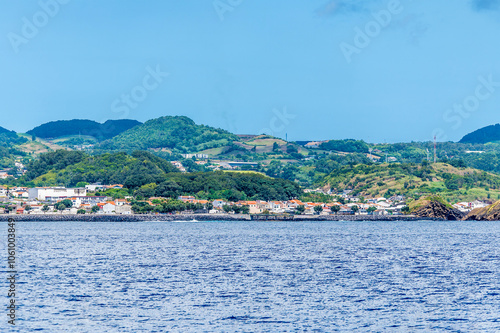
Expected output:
(72, 167)
(168, 206)
(92, 128)
(236, 209)
(177, 133)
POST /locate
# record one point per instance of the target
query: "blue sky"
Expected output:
(381, 71)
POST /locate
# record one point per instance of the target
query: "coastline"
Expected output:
(206, 218)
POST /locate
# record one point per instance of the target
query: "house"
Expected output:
(55, 193)
(94, 187)
(123, 209)
(113, 187)
(218, 203)
(254, 207)
(4, 175)
(109, 207)
(188, 198)
(120, 202)
(20, 210)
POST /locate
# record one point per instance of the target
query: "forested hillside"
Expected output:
(483, 135)
(144, 172)
(8, 151)
(415, 180)
(172, 133)
(61, 128)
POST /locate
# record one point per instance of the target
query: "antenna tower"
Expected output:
(435, 156)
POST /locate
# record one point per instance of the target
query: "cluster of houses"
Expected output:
(216, 165)
(380, 206)
(44, 200)
(466, 207)
(19, 170)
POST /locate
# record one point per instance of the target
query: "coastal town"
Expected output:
(89, 200)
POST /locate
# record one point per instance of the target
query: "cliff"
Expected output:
(488, 213)
(436, 208)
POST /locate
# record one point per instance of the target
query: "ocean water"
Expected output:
(256, 277)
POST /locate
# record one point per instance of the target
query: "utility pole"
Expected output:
(435, 155)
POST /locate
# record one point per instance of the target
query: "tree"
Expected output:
(355, 209)
(67, 203)
(226, 208)
(81, 211)
(94, 209)
(318, 209)
(335, 209)
(27, 208)
(236, 209)
(209, 206)
(45, 208)
(60, 206)
(245, 210)
(371, 209)
(276, 147)
(300, 210)
(146, 191)
(81, 184)
(405, 210)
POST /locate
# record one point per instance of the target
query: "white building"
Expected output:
(55, 193)
(109, 208)
(94, 187)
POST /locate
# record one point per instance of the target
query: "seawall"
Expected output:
(203, 217)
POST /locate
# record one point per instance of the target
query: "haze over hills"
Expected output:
(483, 135)
(61, 128)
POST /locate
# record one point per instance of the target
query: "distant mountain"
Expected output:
(170, 132)
(483, 135)
(9, 138)
(4, 130)
(61, 128)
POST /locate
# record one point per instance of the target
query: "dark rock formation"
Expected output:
(438, 210)
(488, 213)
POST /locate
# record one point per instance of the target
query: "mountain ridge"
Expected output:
(483, 135)
(100, 131)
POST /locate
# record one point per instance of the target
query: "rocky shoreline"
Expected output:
(206, 217)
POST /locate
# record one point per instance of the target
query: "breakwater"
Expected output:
(205, 217)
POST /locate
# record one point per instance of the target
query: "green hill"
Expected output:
(415, 180)
(10, 138)
(483, 135)
(145, 173)
(71, 167)
(170, 133)
(61, 128)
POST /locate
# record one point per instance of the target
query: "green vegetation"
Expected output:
(145, 175)
(91, 128)
(483, 135)
(70, 168)
(175, 133)
(415, 180)
(424, 201)
(350, 146)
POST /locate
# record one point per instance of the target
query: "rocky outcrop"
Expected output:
(488, 213)
(437, 210)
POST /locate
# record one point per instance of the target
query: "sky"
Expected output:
(380, 71)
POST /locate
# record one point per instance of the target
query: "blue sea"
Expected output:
(255, 277)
